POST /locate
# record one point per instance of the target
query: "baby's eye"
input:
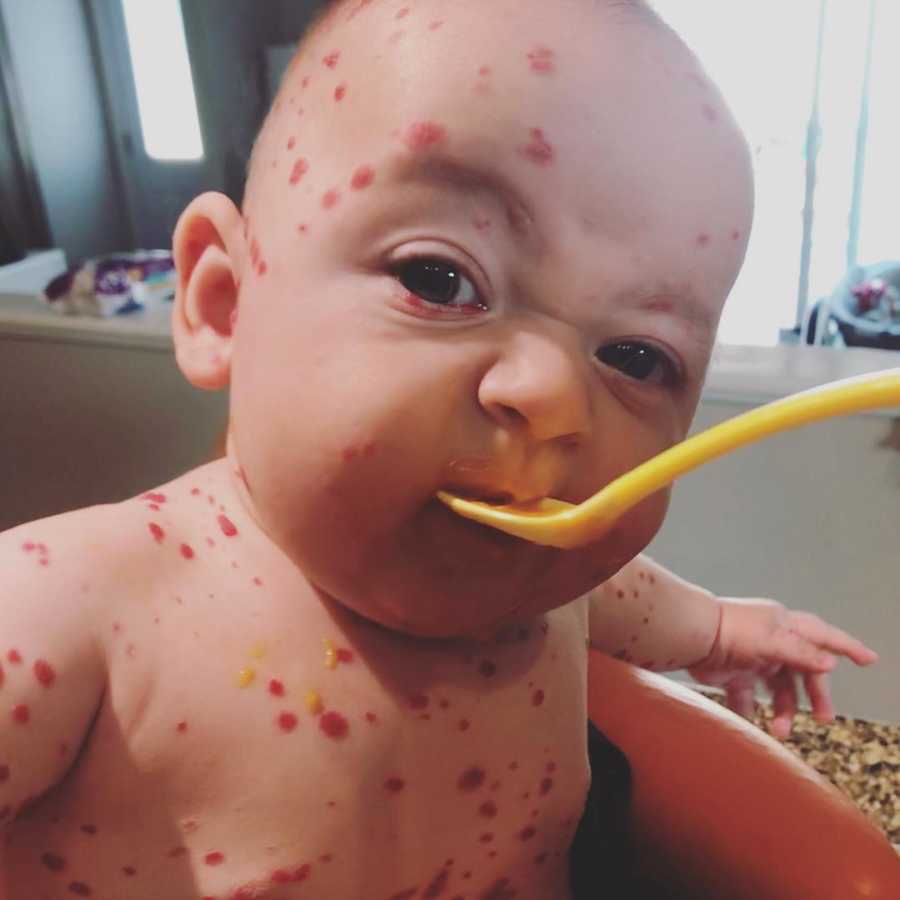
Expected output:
(439, 282)
(640, 361)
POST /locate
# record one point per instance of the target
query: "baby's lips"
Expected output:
(478, 478)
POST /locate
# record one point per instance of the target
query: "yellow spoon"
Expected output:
(559, 524)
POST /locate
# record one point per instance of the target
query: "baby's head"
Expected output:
(485, 247)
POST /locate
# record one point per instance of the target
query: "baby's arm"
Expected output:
(51, 668)
(653, 618)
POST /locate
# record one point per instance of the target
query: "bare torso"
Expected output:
(256, 742)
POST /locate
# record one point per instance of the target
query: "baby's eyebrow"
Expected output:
(449, 172)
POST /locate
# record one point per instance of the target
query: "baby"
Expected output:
(485, 249)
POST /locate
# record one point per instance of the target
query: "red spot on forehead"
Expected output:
(542, 60)
(362, 178)
(539, 150)
(340, 92)
(330, 199)
(301, 167)
(424, 135)
(331, 60)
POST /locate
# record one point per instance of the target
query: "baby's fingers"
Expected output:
(796, 651)
(784, 703)
(829, 637)
(739, 696)
(819, 692)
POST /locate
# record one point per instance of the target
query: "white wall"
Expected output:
(810, 518)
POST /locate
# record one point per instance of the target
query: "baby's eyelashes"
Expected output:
(439, 283)
(640, 361)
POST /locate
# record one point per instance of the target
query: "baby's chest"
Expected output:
(330, 755)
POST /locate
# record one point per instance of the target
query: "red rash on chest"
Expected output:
(542, 60)
(187, 551)
(14, 657)
(424, 135)
(287, 721)
(300, 168)
(539, 150)
(471, 779)
(44, 673)
(227, 526)
(276, 688)
(292, 142)
(334, 725)
(537, 698)
(21, 714)
(394, 785)
(157, 532)
(362, 178)
(332, 59)
(340, 92)
(330, 199)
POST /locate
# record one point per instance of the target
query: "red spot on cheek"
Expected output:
(334, 725)
(276, 688)
(21, 714)
(526, 834)
(539, 151)
(187, 551)
(537, 698)
(181, 727)
(488, 809)
(215, 858)
(53, 861)
(331, 199)
(331, 60)
(300, 168)
(227, 526)
(419, 701)
(546, 786)
(14, 657)
(471, 779)
(287, 721)
(344, 655)
(44, 673)
(394, 785)
(362, 178)
(735, 235)
(424, 135)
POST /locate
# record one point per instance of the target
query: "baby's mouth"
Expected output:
(481, 479)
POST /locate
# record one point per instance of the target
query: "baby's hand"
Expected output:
(762, 640)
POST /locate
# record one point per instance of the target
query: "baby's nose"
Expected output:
(539, 385)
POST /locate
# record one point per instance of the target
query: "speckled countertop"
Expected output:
(860, 758)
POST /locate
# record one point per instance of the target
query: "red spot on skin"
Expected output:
(471, 779)
(350, 454)
(340, 92)
(537, 698)
(305, 83)
(371, 717)
(487, 668)
(301, 167)
(44, 673)
(403, 13)
(735, 236)
(89, 829)
(263, 268)
(483, 224)
(292, 142)
(542, 60)
(258, 581)
(53, 861)
(291, 876)
(276, 688)
(710, 113)
(394, 784)
(129, 871)
(437, 885)
(21, 714)
(158, 534)
(551, 767)
(464, 724)
(5, 812)
(155, 498)
(29, 546)
(362, 178)
(330, 199)
(539, 151)
(527, 833)
(499, 890)
(14, 657)
(702, 241)
(419, 701)
(444, 704)
(79, 888)
(540, 858)
(546, 786)
(175, 852)
(196, 492)
(227, 526)
(334, 725)
(344, 655)
(287, 721)
(332, 59)
(303, 229)
(433, 26)
(424, 135)
(4, 773)
(486, 838)
(186, 551)
(181, 727)
(216, 858)
(484, 71)
(488, 809)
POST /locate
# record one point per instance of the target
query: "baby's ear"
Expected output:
(207, 246)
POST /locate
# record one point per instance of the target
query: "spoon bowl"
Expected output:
(556, 523)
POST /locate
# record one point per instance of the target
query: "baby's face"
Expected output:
(487, 249)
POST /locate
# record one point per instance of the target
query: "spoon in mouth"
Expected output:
(555, 523)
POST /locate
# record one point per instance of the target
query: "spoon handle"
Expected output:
(852, 395)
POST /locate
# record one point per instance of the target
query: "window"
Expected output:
(162, 76)
(811, 83)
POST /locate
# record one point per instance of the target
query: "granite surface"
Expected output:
(860, 758)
